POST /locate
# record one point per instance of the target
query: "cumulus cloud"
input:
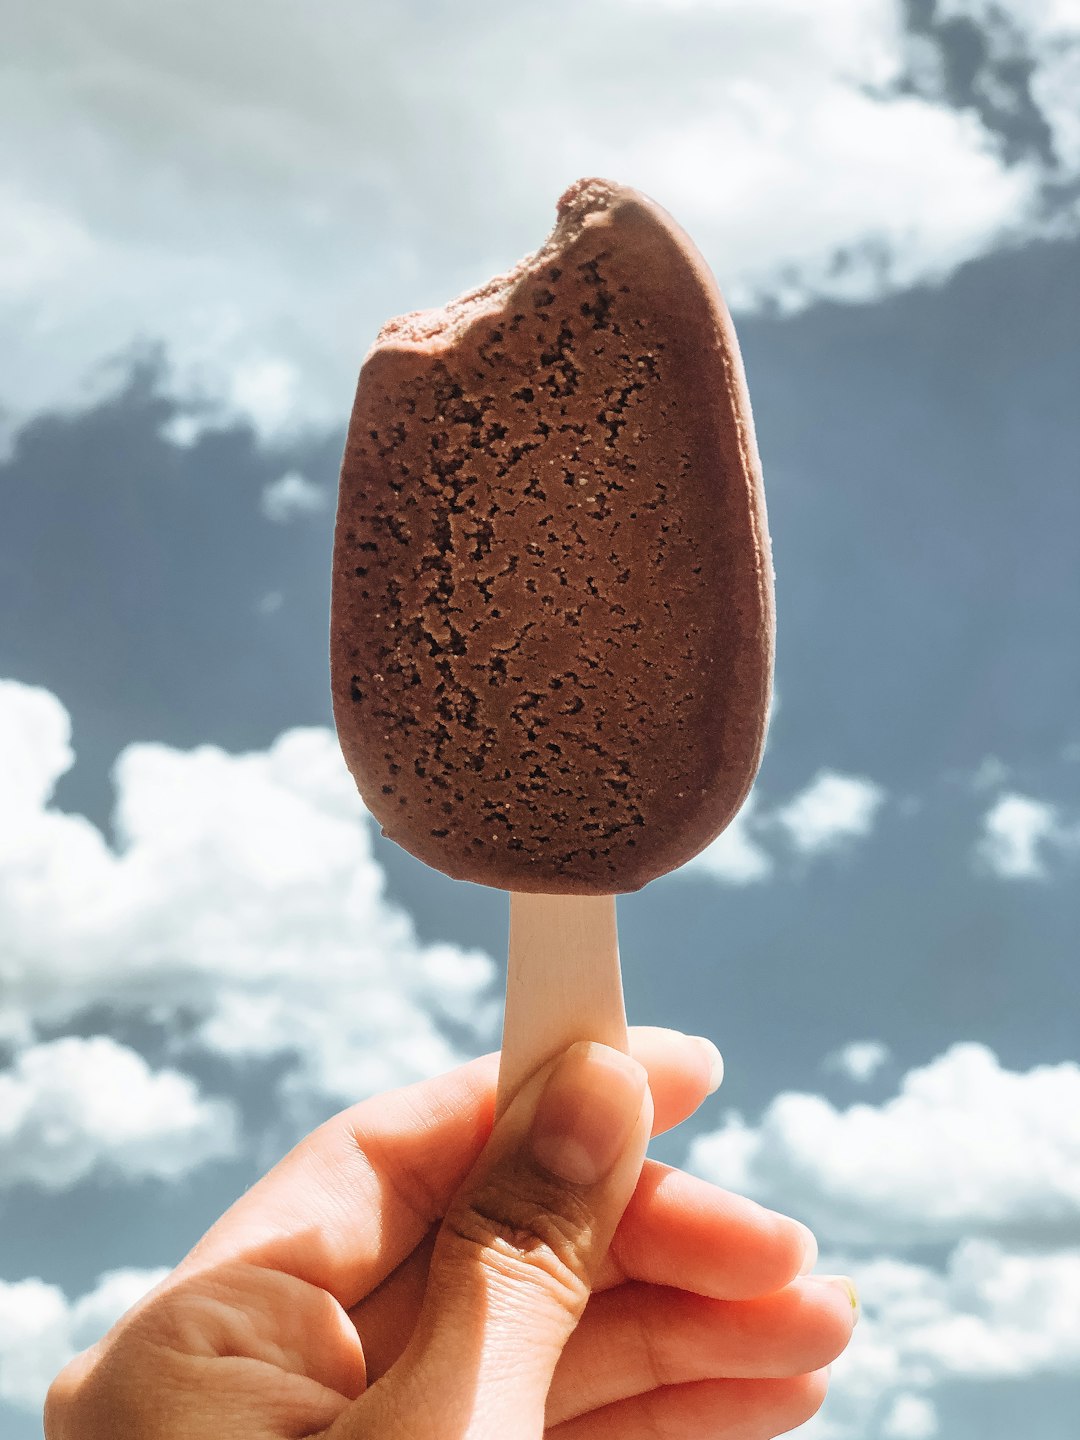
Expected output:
(269, 603)
(910, 1417)
(965, 1147)
(968, 1156)
(41, 1329)
(860, 1061)
(74, 1106)
(35, 738)
(1018, 836)
(991, 1314)
(242, 902)
(262, 207)
(734, 857)
(1013, 831)
(290, 496)
(990, 774)
(831, 812)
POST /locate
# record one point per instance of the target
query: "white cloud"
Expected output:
(269, 603)
(243, 901)
(182, 430)
(1002, 1314)
(35, 739)
(262, 207)
(860, 1061)
(1013, 830)
(74, 1106)
(265, 388)
(833, 810)
(990, 774)
(734, 857)
(964, 1148)
(1018, 832)
(41, 1330)
(966, 1155)
(990, 1315)
(910, 1417)
(292, 495)
(16, 1031)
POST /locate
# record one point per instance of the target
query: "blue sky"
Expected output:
(205, 945)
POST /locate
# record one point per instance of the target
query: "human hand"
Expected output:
(407, 1272)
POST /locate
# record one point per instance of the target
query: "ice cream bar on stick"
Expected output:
(552, 614)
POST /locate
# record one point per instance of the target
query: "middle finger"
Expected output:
(636, 1338)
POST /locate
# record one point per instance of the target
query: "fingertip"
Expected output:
(810, 1250)
(828, 1305)
(809, 1393)
(843, 1293)
(715, 1062)
(793, 1401)
(683, 1070)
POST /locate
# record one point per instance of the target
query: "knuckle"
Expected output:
(650, 1357)
(123, 1377)
(59, 1402)
(65, 1415)
(410, 1185)
(528, 1230)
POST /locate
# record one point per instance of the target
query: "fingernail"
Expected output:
(810, 1249)
(847, 1285)
(587, 1113)
(716, 1063)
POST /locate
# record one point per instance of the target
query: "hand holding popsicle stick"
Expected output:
(390, 1277)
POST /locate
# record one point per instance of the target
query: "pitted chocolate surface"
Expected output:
(552, 606)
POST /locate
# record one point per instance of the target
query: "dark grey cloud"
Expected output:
(986, 67)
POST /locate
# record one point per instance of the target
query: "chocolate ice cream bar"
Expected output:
(552, 629)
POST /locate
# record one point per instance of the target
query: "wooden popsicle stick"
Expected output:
(563, 983)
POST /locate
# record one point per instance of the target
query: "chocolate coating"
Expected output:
(552, 619)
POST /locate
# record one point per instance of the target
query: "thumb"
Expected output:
(516, 1255)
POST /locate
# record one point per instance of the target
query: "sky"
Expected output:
(205, 944)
